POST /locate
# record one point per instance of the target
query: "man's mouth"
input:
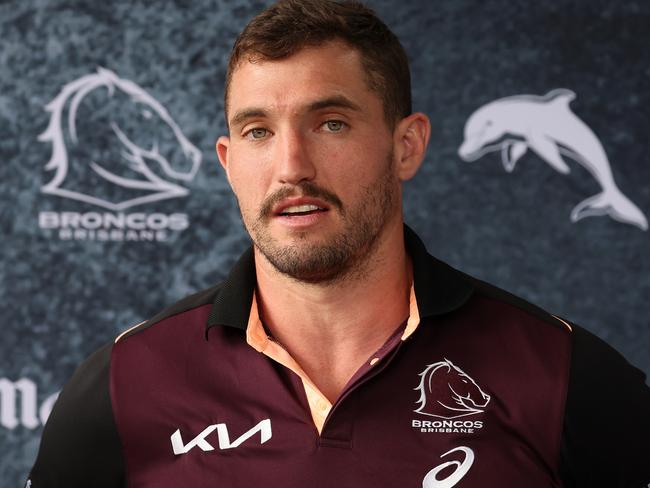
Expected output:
(300, 207)
(296, 210)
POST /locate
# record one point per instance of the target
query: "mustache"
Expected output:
(303, 189)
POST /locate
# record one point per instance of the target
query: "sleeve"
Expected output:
(606, 432)
(80, 446)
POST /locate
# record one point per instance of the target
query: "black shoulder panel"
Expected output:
(605, 442)
(497, 293)
(204, 297)
(80, 446)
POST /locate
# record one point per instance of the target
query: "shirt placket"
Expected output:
(321, 408)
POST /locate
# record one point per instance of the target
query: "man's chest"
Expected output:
(434, 412)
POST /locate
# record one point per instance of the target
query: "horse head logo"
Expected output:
(141, 165)
(548, 127)
(447, 392)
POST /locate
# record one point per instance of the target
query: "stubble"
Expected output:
(343, 255)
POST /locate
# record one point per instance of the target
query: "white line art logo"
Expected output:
(462, 467)
(547, 126)
(446, 392)
(132, 170)
(263, 427)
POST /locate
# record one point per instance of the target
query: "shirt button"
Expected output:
(374, 361)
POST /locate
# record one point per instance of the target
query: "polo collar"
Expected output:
(439, 288)
(232, 305)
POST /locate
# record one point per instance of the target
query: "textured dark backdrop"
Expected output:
(61, 299)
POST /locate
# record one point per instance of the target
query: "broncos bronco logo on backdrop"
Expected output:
(114, 145)
(447, 392)
(547, 126)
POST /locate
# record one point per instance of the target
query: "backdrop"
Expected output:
(114, 204)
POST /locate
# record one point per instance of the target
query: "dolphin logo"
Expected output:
(547, 126)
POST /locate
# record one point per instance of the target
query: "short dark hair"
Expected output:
(288, 26)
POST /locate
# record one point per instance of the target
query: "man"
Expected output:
(338, 352)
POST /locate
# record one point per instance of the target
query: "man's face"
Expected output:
(310, 161)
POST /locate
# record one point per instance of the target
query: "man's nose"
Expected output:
(293, 158)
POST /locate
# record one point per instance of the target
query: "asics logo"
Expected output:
(462, 467)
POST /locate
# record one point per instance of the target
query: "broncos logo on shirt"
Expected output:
(448, 392)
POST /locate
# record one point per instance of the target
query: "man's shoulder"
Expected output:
(441, 288)
(80, 441)
(201, 299)
(82, 426)
(506, 299)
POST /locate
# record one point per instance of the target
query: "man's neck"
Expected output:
(332, 329)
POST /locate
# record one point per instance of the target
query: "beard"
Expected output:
(341, 255)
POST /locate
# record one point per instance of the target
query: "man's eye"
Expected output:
(334, 125)
(257, 133)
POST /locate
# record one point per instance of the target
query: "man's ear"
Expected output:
(222, 152)
(411, 137)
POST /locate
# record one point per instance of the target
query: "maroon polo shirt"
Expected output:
(478, 389)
